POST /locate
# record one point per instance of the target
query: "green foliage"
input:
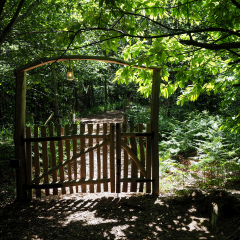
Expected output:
(184, 133)
(103, 108)
(195, 44)
(213, 154)
(197, 40)
(7, 151)
(138, 113)
(217, 151)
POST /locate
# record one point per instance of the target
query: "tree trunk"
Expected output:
(93, 98)
(105, 89)
(55, 101)
(76, 100)
(16, 18)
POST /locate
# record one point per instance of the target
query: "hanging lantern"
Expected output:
(70, 76)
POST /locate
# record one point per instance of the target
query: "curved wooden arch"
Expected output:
(20, 114)
(44, 61)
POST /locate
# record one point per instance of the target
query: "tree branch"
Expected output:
(117, 21)
(236, 3)
(28, 12)
(2, 3)
(183, 31)
(44, 32)
(225, 46)
(148, 18)
(235, 62)
(17, 19)
(8, 28)
(237, 54)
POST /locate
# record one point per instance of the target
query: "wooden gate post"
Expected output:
(20, 146)
(154, 127)
(112, 158)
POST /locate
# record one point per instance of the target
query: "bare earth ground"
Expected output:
(106, 117)
(185, 214)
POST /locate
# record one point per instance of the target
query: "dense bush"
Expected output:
(196, 138)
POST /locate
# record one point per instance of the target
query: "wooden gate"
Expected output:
(59, 162)
(137, 168)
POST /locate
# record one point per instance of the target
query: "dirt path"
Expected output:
(105, 117)
(88, 216)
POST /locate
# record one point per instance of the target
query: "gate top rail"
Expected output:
(136, 134)
(66, 137)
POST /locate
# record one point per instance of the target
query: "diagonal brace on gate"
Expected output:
(134, 158)
(87, 150)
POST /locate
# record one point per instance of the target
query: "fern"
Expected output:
(218, 151)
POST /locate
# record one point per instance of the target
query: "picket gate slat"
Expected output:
(53, 158)
(148, 159)
(118, 157)
(125, 159)
(36, 161)
(45, 158)
(142, 154)
(67, 142)
(134, 168)
(83, 158)
(105, 160)
(98, 160)
(91, 158)
(29, 162)
(60, 156)
(74, 131)
(112, 158)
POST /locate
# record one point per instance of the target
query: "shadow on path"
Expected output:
(135, 217)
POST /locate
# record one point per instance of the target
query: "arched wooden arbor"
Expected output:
(20, 115)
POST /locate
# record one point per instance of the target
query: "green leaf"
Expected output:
(165, 93)
(166, 78)
(144, 23)
(181, 84)
(147, 61)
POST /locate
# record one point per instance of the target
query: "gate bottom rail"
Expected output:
(135, 180)
(66, 183)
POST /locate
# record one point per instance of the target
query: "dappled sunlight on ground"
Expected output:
(115, 116)
(98, 216)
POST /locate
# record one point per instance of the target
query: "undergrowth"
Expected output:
(199, 152)
(102, 108)
(7, 174)
(193, 150)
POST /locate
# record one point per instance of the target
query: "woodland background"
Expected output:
(195, 42)
(197, 45)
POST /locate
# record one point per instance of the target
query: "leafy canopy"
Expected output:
(196, 42)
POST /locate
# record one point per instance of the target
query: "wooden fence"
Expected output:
(83, 159)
